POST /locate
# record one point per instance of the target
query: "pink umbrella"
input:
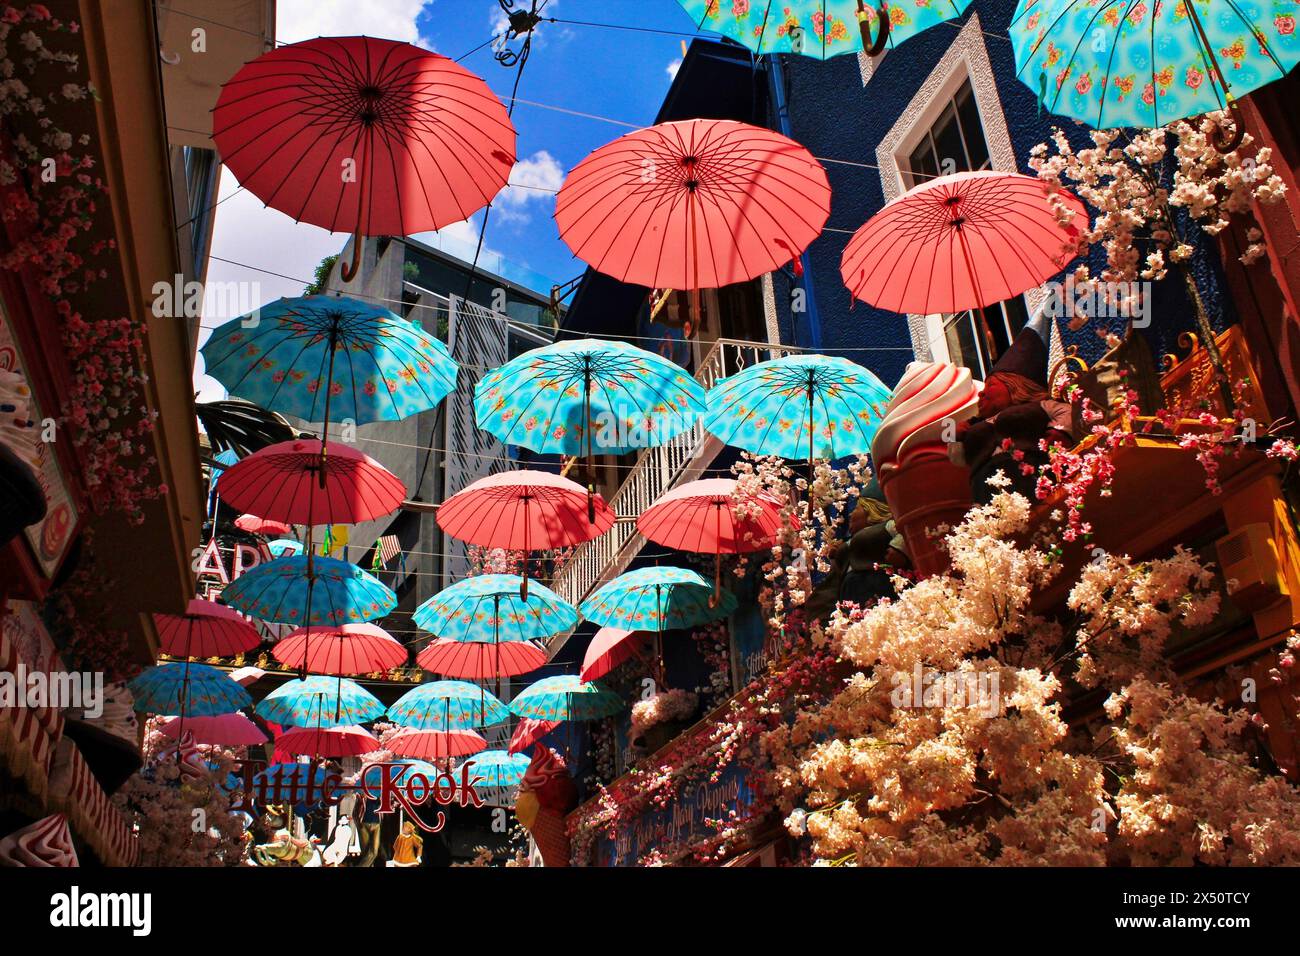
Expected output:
(961, 242)
(327, 741)
(523, 510)
(346, 649)
(529, 731)
(434, 744)
(479, 660)
(255, 525)
(700, 516)
(610, 647)
(291, 481)
(224, 730)
(205, 630)
(693, 205)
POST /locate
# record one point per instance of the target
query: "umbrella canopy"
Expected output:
(364, 135)
(960, 242)
(282, 546)
(327, 741)
(528, 732)
(488, 608)
(696, 204)
(291, 482)
(223, 730)
(448, 705)
(819, 28)
(496, 768)
(610, 647)
(436, 744)
(656, 599)
(206, 629)
(319, 702)
(263, 526)
(224, 460)
(185, 689)
(347, 649)
(583, 394)
(565, 697)
(523, 510)
(1111, 63)
(700, 516)
(320, 356)
(799, 406)
(328, 591)
(480, 661)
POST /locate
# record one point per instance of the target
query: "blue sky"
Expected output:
(615, 73)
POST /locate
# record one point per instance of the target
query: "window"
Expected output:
(954, 143)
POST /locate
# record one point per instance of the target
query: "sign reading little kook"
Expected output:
(396, 786)
(683, 822)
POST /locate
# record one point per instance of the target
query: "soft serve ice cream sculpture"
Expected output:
(910, 451)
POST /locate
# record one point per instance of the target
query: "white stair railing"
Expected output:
(657, 470)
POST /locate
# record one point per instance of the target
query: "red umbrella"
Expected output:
(529, 731)
(284, 482)
(433, 744)
(346, 649)
(205, 630)
(327, 741)
(225, 730)
(610, 647)
(263, 526)
(369, 136)
(700, 516)
(479, 660)
(961, 242)
(693, 205)
(523, 510)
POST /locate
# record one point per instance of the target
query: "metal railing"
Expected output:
(656, 471)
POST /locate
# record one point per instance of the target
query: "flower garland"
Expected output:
(104, 353)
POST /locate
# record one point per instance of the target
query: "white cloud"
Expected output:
(673, 67)
(304, 19)
(534, 181)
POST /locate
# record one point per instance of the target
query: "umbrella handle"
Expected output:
(1226, 143)
(877, 46)
(348, 271)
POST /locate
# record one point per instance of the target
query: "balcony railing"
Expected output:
(656, 471)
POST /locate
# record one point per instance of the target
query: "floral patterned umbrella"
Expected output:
(820, 28)
(302, 590)
(799, 406)
(1149, 62)
(319, 703)
(187, 690)
(656, 599)
(496, 768)
(565, 697)
(448, 705)
(488, 608)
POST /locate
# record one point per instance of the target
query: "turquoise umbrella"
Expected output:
(819, 28)
(581, 396)
(656, 599)
(496, 768)
(1149, 62)
(799, 406)
(448, 705)
(565, 697)
(319, 702)
(324, 358)
(284, 546)
(303, 589)
(487, 608)
(186, 690)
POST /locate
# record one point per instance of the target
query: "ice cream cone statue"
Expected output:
(924, 488)
(546, 794)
